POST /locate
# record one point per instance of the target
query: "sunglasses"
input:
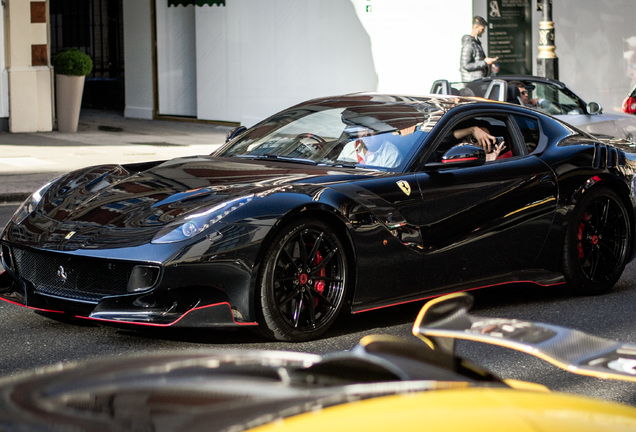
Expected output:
(524, 92)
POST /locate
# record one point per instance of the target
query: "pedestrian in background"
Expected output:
(473, 63)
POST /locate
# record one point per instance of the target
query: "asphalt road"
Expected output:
(31, 340)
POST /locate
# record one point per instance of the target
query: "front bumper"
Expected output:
(191, 309)
(212, 294)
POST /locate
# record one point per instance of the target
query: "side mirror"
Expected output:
(594, 108)
(461, 155)
(234, 133)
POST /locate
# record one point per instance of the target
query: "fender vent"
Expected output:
(608, 157)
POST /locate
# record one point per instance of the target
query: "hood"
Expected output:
(114, 201)
(243, 390)
(212, 392)
(110, 195)
(222, 390)
(616, 125)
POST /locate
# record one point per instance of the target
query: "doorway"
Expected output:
(95, 27)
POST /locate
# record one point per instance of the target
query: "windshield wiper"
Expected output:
(341, 164)
(269, 156)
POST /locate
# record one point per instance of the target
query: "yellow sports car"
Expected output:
(383, 384)
(467, 409)
(466, 406)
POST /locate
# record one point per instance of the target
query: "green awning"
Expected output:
(196, 2)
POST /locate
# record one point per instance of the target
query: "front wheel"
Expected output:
(302, 282)
(596, 246)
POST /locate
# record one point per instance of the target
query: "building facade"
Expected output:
(26, 83)
(238, 61)
(244, 60)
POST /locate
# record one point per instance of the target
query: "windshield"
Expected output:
(377, 135)
(553, 100)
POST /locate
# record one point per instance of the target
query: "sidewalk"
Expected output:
(28, 160)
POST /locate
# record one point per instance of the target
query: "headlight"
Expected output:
(29, 205)
(196, 223)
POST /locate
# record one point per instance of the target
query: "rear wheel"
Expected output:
(596, 245)
(302, 282)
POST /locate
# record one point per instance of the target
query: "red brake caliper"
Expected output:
(579, 237)
(320, 285)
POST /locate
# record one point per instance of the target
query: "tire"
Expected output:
(596, 247)
(302, 282)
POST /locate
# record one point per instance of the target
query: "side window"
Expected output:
(529, 128)
(460, 133)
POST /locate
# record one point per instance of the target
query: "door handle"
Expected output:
(547, 180)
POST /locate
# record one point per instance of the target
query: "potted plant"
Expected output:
(71, 67)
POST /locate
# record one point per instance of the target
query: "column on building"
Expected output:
(28, 65)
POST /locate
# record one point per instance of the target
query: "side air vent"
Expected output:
(608, 157)
(612, 158)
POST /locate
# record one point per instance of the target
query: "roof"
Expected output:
(439, 101)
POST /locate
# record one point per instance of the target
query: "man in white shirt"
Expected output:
(387, 155)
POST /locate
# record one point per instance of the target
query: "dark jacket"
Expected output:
(472, 64)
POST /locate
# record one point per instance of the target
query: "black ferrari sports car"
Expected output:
(352, 203)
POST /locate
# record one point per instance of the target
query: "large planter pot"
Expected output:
(68, 95)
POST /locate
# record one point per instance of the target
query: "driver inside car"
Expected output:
(480, 136)
(373, 150)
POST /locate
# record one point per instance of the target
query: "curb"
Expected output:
(16, 197)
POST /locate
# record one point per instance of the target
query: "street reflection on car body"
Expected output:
(335, 206)
(34, 341)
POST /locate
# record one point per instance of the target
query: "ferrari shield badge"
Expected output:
(405, 186)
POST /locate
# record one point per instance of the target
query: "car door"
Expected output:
(484, 222)
(387, 238)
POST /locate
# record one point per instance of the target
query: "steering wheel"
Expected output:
(320, 142)
(553, 108)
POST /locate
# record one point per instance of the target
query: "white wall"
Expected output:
(592, 39)
(217, 93)
(415, 42)
(255, 57)
(591, 43)
(138, 59)
(176, 60)
(4, 75)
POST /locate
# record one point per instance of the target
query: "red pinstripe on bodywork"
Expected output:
(464, 290)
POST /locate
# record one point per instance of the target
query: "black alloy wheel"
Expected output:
(303, 282)
(597, 242)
